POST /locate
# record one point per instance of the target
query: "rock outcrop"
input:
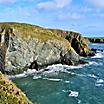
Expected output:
(35, 47)
(10, 94)
(78, 42)
(96, 40)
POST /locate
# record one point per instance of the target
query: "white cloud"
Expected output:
(62, 3)
(70, 16)
(97, 3)
(54, 4)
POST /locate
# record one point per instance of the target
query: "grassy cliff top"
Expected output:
(10, 94)
(32, 31)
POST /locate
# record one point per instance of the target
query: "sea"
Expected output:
(62, 84)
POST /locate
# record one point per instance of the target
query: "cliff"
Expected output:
(27, 46)
(78, 42)
(24, 46)
(10, 94)
(96, 40)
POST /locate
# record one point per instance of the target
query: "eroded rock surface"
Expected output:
(35, 47)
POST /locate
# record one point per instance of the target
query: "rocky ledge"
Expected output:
(24, 46)
(96, 40)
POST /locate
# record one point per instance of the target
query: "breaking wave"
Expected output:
(99, 55)
(53, 69)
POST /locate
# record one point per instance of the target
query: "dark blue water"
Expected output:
(68, 85)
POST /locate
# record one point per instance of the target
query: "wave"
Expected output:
(53, 69)
(24, 74)
(17, 76)
(67, 81)
(99, 55)
(99, 85)
(52, 79)
(37, 77)
(71, 93)
(99, 82)
(92, 76)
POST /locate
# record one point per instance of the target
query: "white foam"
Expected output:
(98, 85)
(92, 76)
(37, 77)
(26, 73)
(71, 93)
(75, 67)
(100, 81)
(66, 90)
(61, 68)
(74, 94)
(79, 101)
(53, 69)
(52, 79)
(67, 81)
(99, 55)
(17, 76)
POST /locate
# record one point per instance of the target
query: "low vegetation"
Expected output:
(10, 94)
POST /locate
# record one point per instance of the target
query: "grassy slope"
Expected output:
(10, 94)
(32, 31)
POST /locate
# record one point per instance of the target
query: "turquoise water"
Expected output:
(67, 85)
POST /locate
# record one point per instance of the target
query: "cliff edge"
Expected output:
(10, 94)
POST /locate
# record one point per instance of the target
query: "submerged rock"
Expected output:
(97, 50)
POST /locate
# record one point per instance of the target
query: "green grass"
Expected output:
(27, 31)
(10, 94)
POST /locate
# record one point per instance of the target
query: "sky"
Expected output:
(83, 16)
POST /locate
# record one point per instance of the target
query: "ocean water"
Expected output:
(83, 84)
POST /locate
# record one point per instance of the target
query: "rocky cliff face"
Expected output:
(10, 94)
(34, 47)
(78, 42)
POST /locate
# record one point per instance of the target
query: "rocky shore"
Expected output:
(32, 47)
(24, 46)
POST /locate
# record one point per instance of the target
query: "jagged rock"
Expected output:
(78, 42)
(95, 50)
